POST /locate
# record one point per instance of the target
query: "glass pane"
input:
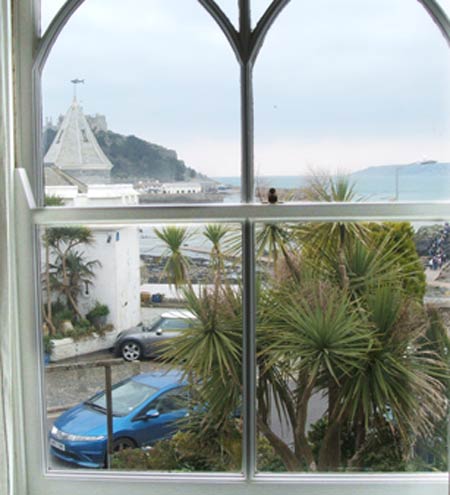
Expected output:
(161, 306)
(141, 105)
(231, 10)
(445, 4)
(49, 8)
(352, 347)
(258, 7)
(356, 88)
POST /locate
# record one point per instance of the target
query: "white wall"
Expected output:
(97, 195)
(117, 281)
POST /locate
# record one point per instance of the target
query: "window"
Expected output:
(251, 216)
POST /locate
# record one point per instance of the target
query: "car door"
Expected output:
(165, 330)
(171, 406)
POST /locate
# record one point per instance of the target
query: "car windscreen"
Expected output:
(126, 397)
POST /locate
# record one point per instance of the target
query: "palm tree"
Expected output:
(47, 312)
(400, 382)
(210, 351)
(177, 265)
(331, 237)
(215, 233)
(79, 276)
(345, 327)
(313, 332)
(273, 240)
(62, 241)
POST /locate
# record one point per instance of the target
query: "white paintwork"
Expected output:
(117, 280)
(69, 348)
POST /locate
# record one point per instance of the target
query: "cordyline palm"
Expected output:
(48, 316)
(400, 381)
(215, 234)
(61, 242)
(314, 337)
(80, 275)
(274, 240)
(177, 265)
(273, 245)
(366, 263)
(210, 352)
(330, 237)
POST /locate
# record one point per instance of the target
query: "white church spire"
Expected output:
(75, 148)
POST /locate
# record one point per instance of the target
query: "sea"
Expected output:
(368, 186)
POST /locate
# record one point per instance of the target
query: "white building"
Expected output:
(117, 280)
(95, 195)
(181, 188)
(73, 154)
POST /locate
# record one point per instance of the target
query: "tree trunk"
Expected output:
(330, 451)
(345, 282)
(289, 458)
(73, 303)
(48, 316)
(301, 445)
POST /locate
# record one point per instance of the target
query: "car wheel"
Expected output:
(122, 444)
(131, 351)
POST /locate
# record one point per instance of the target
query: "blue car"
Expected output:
(146, 408)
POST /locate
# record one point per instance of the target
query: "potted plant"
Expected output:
(97, 315)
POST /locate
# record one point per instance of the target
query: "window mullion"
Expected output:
(247, 117)
(249, 349)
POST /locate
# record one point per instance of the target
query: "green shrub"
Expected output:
(189, 452)
(97, 311)
(62, 315)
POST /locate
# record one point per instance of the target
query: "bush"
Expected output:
(62, 315)
(98, 311)
(186, 451)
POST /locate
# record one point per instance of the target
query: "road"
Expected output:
(65, 388)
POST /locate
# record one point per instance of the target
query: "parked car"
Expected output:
(142, 341)
(146, 408)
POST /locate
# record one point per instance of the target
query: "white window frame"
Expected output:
(29, 468)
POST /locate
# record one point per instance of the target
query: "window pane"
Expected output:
(352, 343)
(141, 104)
(49, 8)
(445, 4)
(356, 88)
(258, 7)
(161, 305)
(231, 10)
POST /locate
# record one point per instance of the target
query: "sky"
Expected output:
(338, 85)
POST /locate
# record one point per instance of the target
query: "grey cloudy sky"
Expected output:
(338, 84)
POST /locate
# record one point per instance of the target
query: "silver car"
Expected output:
(142, 341)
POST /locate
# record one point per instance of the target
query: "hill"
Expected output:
(430, 168)
(133, 157)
